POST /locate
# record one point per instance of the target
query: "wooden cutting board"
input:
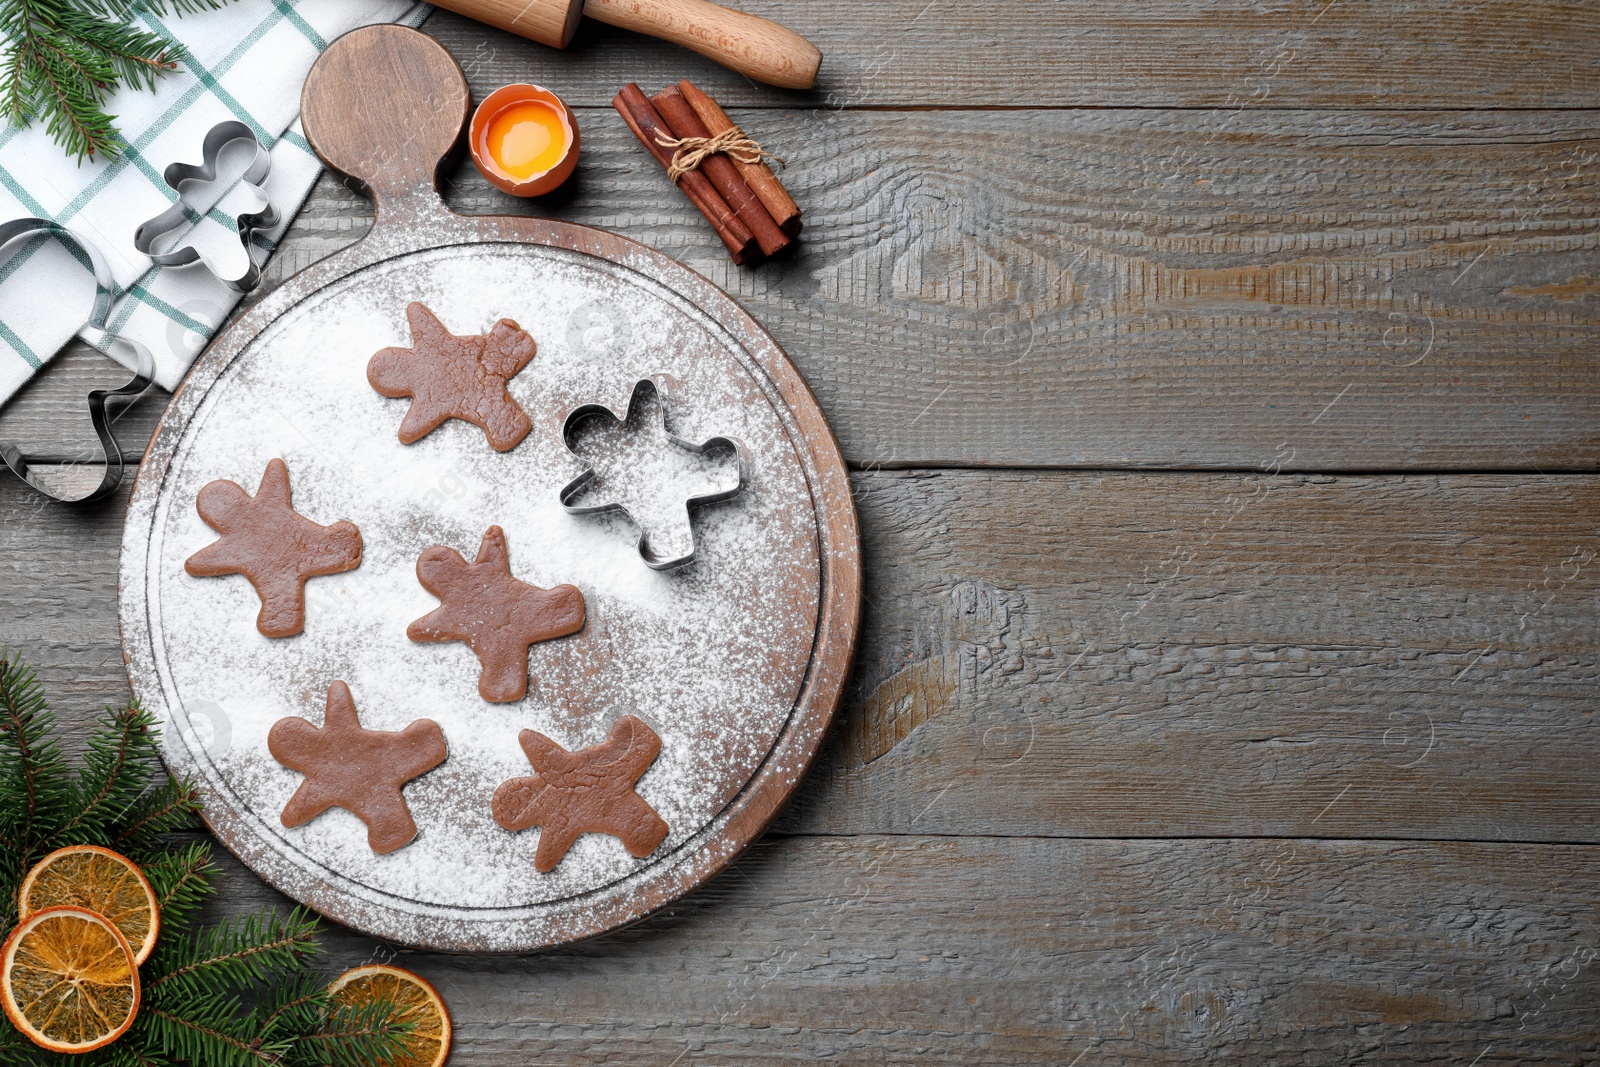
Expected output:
(737, 661)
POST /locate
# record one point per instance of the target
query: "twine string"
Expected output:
(690, 152)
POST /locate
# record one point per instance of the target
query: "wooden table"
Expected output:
(1221, 382)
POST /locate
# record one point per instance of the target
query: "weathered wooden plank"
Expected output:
(1096, 53)
(1294, 290)
(1136, 654)
(1139, 654)
(58, 595)
(936, 950)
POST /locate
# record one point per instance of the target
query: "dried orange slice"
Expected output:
(99, 880)
(68, 980)
(418, 1002)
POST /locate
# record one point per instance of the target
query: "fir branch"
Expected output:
(170, 807)
(115, 774)
(66, 58)
(15, 1050)
(33, 773)
(356, 1036)
(27, 726)
(182, 881)
(137, 57)
(209, 1038)
(132, 1054)
(180, 7)
(325, 1034)
(56, 75)
(286, 1005)
(233, 955)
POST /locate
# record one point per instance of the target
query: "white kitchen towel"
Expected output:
(246, 61)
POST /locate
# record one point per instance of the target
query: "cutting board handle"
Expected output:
(385, 107)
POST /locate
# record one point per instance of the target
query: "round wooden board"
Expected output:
(737, 661)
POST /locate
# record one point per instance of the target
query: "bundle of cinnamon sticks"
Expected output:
(731, 184)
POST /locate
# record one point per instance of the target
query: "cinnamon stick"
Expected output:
(648, 126)
(671, 105)
(765, 184)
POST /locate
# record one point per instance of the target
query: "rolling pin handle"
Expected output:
(753, 46)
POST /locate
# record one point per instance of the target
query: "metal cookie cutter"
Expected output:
(255, 175)
(94, 332)
(642, 389)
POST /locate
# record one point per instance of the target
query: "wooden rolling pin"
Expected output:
(752, 46)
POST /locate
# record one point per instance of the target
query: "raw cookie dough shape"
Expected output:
(619, 452)
(271, 544)
(587, 791)
(450, 377)
(362, 771)
(498, 616)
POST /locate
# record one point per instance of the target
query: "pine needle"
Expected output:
(182, 881)
(64, 58)
(169, 808)
(116, 773)
(33, 775)
(232, 955)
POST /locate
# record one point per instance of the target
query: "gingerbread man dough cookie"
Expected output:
(587, 791)
(271, 544)
(497, 616)
(362, 771)
(450, 377)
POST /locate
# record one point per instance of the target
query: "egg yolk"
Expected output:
(526, 139)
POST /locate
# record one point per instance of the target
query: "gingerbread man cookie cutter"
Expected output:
(264, 216)
(643, 388)
(94, 332)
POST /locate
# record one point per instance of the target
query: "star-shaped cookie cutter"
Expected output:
(264, 217)
(642, 388)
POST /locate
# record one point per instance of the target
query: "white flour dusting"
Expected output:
(711, 656)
